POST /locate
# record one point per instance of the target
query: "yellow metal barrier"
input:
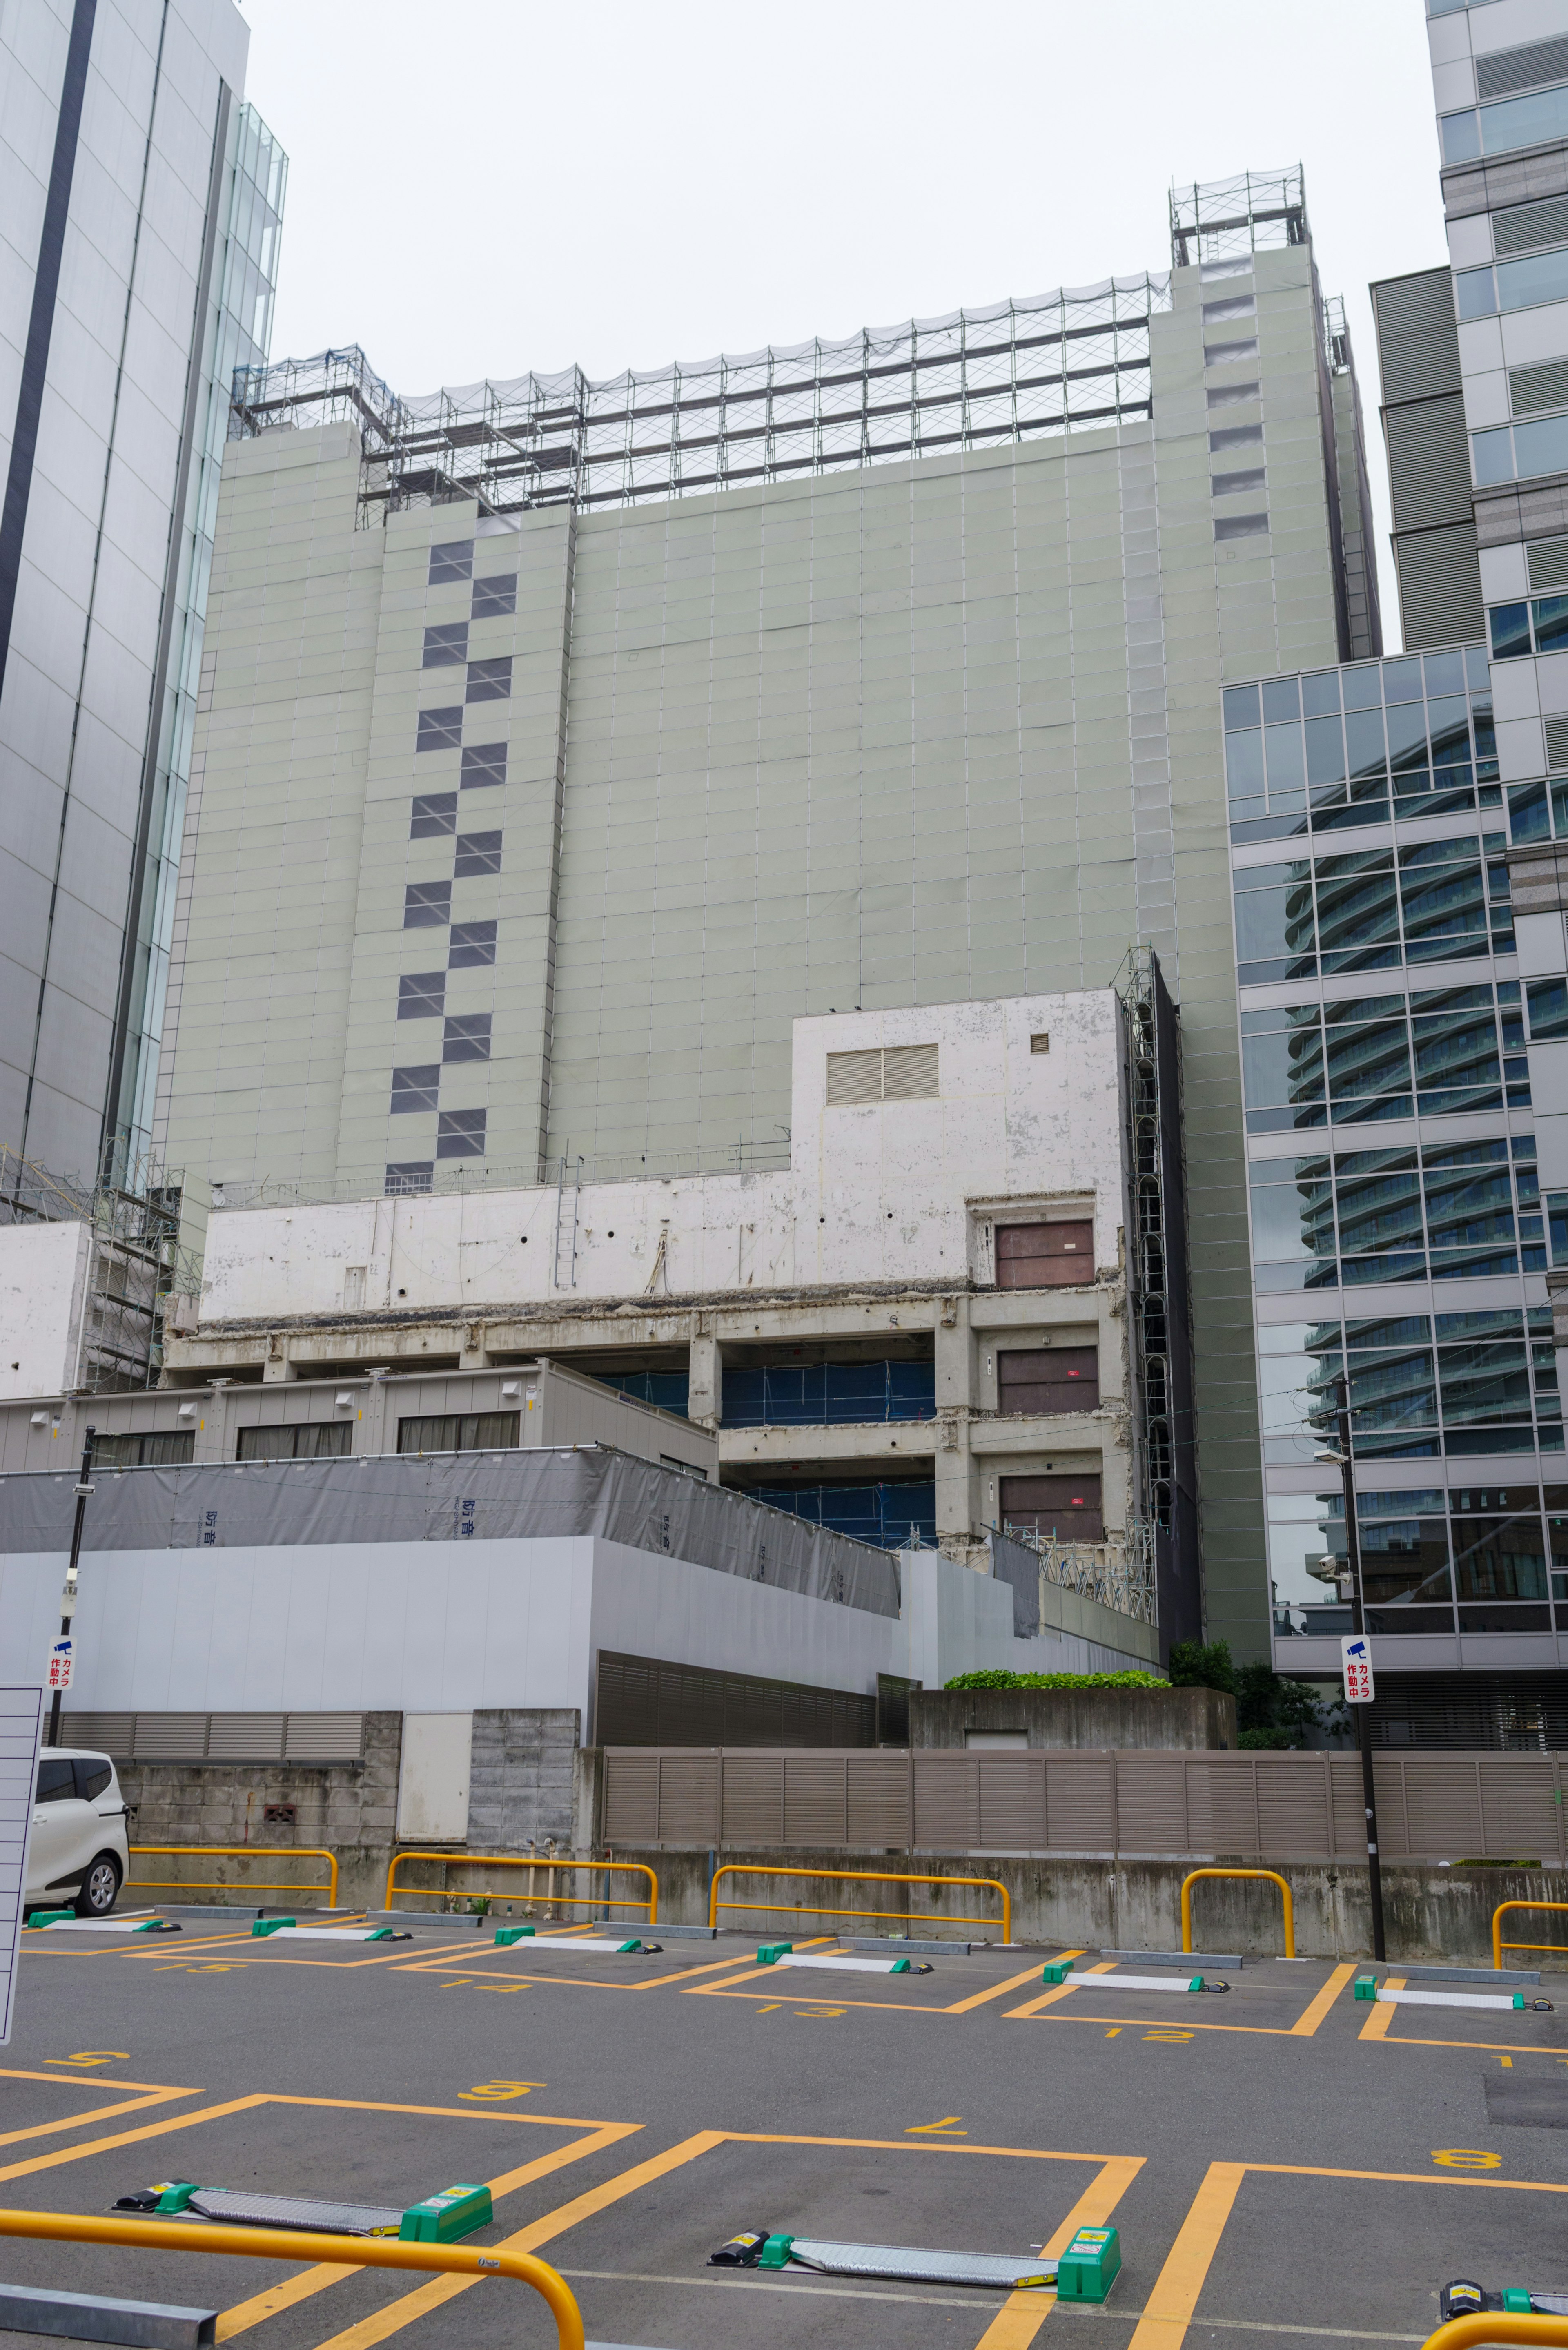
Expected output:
(1498, 1945)
(857, 1877)
(511, 1860)
(275, 2244)
(236, 1852)
(1275, 1879)
(1465, 2332)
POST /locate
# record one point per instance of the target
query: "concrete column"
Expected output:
(958, 1398)
(473, 1354)
(705, 1406)
(277, 1365)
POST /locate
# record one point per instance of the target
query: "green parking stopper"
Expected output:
(1086, 2269)
(443, 2219)
(775, 2253)
(771, 1952)
(51, 1916)
(1519, 1999)
(174, 2194)
(510, 1934)
(1514, 2297)
(266, 1926)
(1056, 1970)
(902, 1966)
(1196, 1984)
(1365, 1987)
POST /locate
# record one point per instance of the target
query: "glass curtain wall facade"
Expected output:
(1396, 1223)
(236, 333)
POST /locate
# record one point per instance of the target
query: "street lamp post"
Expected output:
(67, 1612)
(1359, 1625)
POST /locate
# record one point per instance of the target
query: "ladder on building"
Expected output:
(563, 1274)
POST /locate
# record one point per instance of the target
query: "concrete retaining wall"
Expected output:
(1120, 1718)
(1430, 1914)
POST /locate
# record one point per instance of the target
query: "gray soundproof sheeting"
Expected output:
(1015, 1563)
(448, 1497)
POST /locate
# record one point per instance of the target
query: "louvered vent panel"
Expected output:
(108, 1733)
(1012, 1803)
(1440, 586)
(1444, 1810)
(319, 1737)
(942, 1808)
(1293, 1809)
(1548, 563)
(910, 1073)
(1532, 390)
(1418, 342)
(689, 1806)
(853, 1077)
(1151, 1796)
(245, 1737)
(1080, 1802)
(1529, 68)
(1557, 744)
(814, 1811)
(1518, 1806)
(631, 1798)
(879, 1793)
(1428, 463)
(170, 1737)
(1524, 226)
(753, 1805)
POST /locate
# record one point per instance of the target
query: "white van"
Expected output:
(77, 1856)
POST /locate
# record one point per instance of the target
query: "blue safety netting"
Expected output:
(887, 1516)
(819, 1394)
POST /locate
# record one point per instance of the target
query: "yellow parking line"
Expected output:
(1377, 2024)
(978, 1998)
(1168, 2309)
(1307, 2023)
(393, 2320)
(1022, 2314)
(291, 2290)
(130, 2138)
(97, 2113)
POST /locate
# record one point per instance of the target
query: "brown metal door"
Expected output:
(1067, 1507)
(1048, 1378)
(1044, 1256)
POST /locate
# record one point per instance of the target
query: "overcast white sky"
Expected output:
(478, 187)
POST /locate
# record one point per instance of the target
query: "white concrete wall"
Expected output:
(900, 1191)
(429, 1627)
(43, 1283)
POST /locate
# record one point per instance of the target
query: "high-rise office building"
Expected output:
(611, 727)
(1403, 968)
(140, 208)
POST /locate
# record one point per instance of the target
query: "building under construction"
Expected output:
(563, 745)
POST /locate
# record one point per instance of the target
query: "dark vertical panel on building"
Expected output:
(644, 1701)
(41, 320)
(1177, 1573)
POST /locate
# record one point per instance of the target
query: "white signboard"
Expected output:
(61, 1660)
(1355, 1664)
(20, 1719)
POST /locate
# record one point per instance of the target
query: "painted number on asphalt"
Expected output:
(496, 2092)
(1466, 2158)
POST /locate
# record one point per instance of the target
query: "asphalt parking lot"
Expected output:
(1282, 2160)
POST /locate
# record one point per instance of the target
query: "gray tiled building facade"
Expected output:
(140, 203)
(529, 807)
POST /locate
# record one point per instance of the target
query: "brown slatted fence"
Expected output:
(1263, 1806)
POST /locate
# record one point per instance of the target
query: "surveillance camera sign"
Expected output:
(61, 1660)
(1355, 1664)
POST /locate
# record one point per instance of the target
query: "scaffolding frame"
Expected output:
(135, 1265)
(1223, 220)
(1066, 361)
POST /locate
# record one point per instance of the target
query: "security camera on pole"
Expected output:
(1355, 1659)
(62, 1656)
